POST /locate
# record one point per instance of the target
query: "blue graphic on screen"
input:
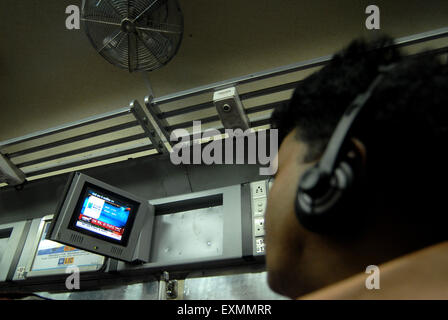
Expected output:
(103, 215)
(111, 214)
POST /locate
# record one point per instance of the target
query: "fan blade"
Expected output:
(132, 52)
(101, 22)
(103, 16)
(112, 39)
(139, 35)
(146, 10)
(163, 27)
(157, 30)
(117, 11)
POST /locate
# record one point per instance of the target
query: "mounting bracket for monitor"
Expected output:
(134, 245)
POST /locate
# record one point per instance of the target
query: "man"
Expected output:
(400, 139)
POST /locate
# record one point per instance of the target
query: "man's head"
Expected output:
(400, 135)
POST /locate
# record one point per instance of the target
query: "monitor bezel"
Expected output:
(129, 223)
(138, 247)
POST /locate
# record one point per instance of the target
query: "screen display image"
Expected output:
(103, 214)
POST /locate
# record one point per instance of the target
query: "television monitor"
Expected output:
(103, 219)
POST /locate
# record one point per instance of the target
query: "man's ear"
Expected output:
(360, 149)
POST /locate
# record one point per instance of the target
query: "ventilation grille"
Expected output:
(76, 238)
(116, 251)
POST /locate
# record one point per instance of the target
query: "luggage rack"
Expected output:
(259, 114)
(132, 131)
(117, 134)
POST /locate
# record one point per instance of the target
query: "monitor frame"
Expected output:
(129, 222)
(135, 248)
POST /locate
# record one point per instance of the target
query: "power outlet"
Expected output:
(258, 189)
(259, 244)
(259, 227)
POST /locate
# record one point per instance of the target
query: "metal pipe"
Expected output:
(187, 124)
(260, 108)
(91, 160)
(74, 139)
(82, 150)
(243, 96)
(308, 64)
(265, 107)
(421, 37)
(180, 111)
(270, 90)
(245, 79)
(66, 127)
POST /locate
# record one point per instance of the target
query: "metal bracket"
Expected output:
(147, 127)
(230, 109)
(154, 111)
(169, 289)
(9, 173)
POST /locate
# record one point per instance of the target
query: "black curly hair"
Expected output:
(404, 123)
(319, 100)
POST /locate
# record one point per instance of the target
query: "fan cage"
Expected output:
(136, 35)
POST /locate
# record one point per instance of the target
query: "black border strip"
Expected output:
(246, 222)
(189, 204)
(61, 201)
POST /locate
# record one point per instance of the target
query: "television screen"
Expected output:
(103, 214)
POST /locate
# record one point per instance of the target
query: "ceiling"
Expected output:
(50, 75)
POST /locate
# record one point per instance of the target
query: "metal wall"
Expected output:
(242, 286)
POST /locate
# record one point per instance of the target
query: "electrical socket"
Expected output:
(259, 227)
(258, 189)
(259, 244)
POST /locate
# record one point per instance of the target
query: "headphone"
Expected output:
(328, 195)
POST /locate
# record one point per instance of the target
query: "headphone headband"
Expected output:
(324, 189)
(342, 132)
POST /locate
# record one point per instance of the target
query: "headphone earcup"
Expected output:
(322, 201)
